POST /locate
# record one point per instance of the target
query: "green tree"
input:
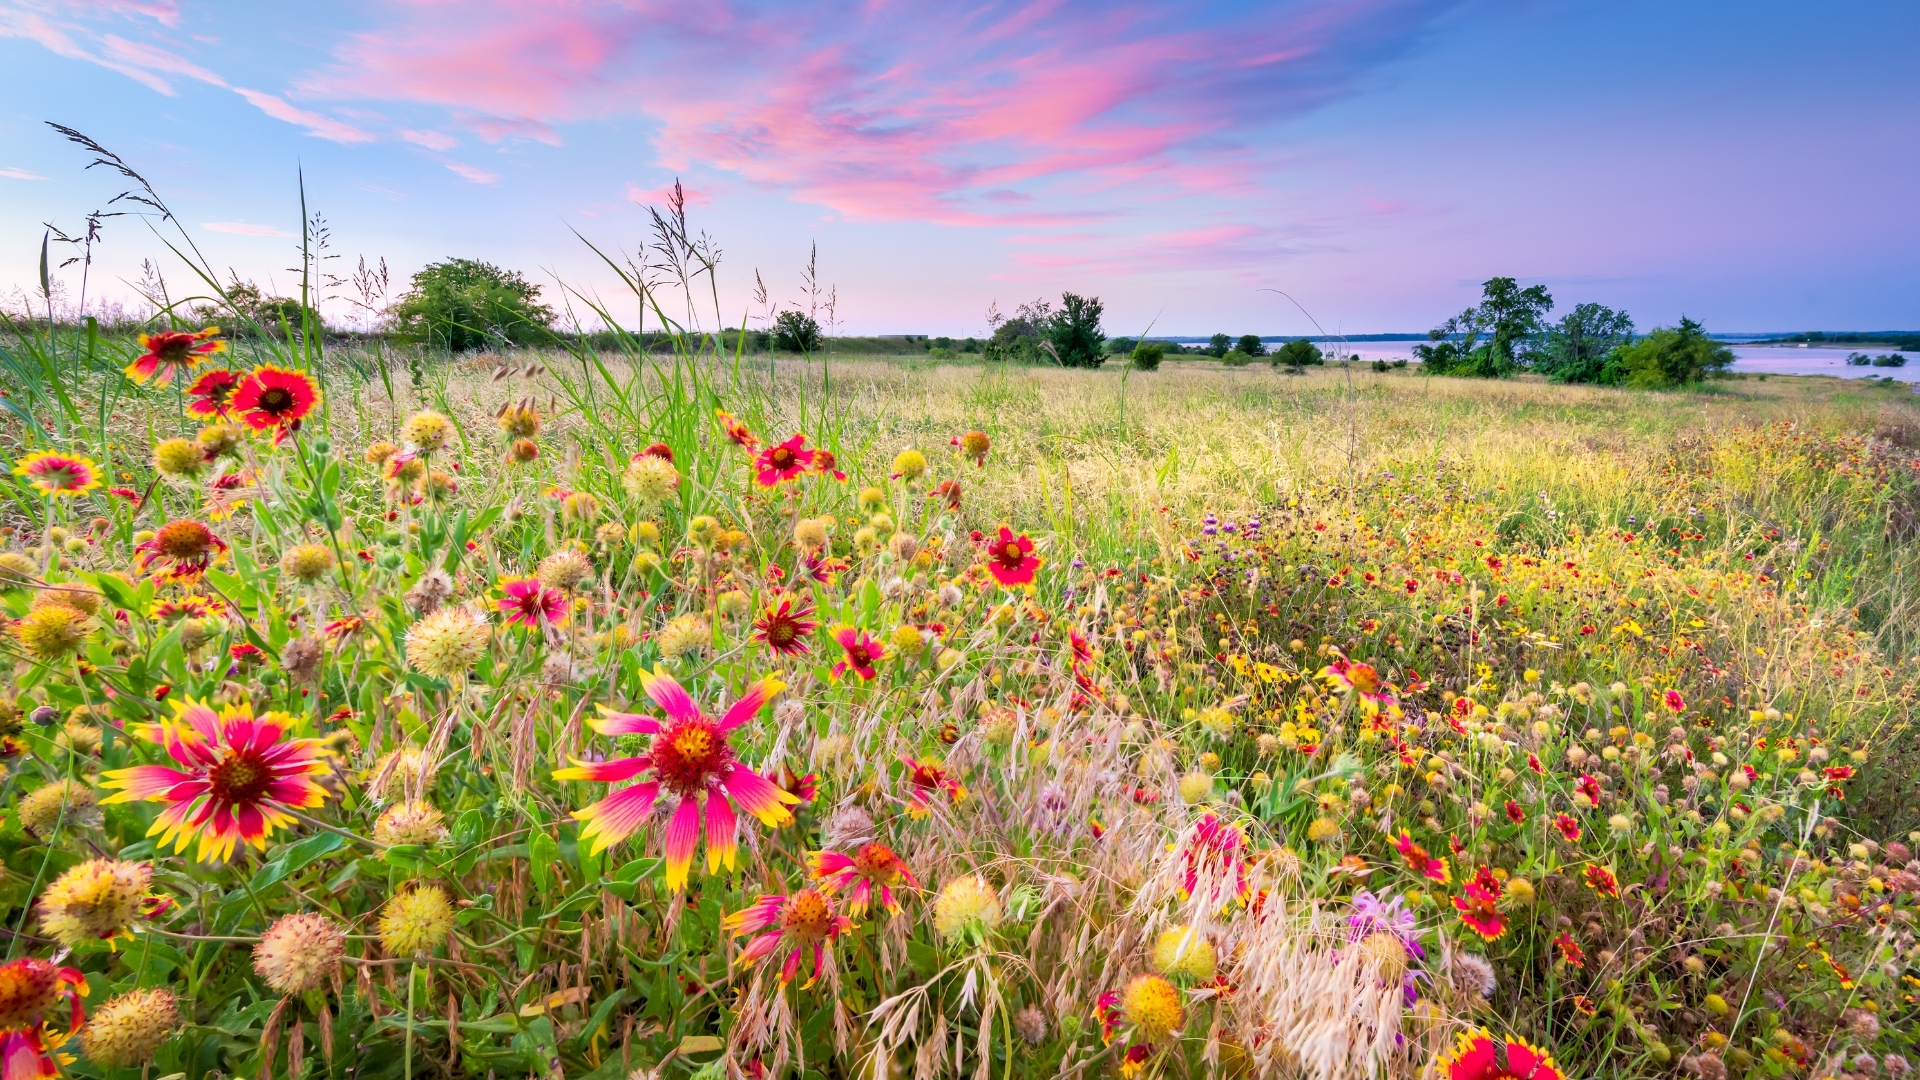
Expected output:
(1297, 354)
(465, 304)
(1219, 345)
(1576, 348)
(1075, 331)
(1147, 355)
(1669, 356)
(796, 331)
(1251, 345)
(1510, 317)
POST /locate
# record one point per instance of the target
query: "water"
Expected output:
(1748, 359)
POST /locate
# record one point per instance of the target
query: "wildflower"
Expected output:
(862, 652)
(784, 628)
(307, 562)
(216, 440)
(1477, 911)
(1152, 1008)
(447, 643)
(58, 475)
(1470, 972)
(691, 759)
(1031, 1025)
(872, 867)
(410, 823)
(805, 921)
(684, 634)
(1011, 560)
(99, 899)
(967, 908)
(1514, 813)
(1602, 880)
(416, 920)
(427, 431)
(300, 952)
(909, 465)
(178, 458)
(737, 431)
(1674, 702)
(974, 444)
(1360, 679)
(810, 534)
(213, 392)
(272, 397)
(1184, 953)
(1478, 1055)
(518, 420)
(928, 776)
(172, 350)
(783, 461)
(184, 549)
(52, 631)
(241, 777)
(946, 491)
(28, 988)
(564, 569)
(580, 507)
(1420, 862)
(529, 602)
(521, 451)
(1570, 951)
(1212, 855)
(44, 808)
(130, 1028)
(1519, 892)
(650, 479)
(1568, 826)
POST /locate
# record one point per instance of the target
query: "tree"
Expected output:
(249, 311)
(1510, 317)
(1576, 348)
(1147, 355)
(465, 304)
(1075, 331)
(1219, 344)
(1297, 354)
(796, 331)
(1251, 345)
(1120, 346)
(1678, 356)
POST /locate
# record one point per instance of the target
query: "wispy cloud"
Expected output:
(242, 228)
(325, 127)
(471, 172)
(20, 174)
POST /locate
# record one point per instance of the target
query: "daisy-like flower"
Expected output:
(1362, 680)
(862, 651)
(783, 461)
(1418, 861)
(1010, 558)
(273, 397)
(929, 777)
(785, 627)
(1569, 827)
(1478, 1055)
(182, 549)
(1477, 909)
(801, 923)
(58, 475)
(529, 603)
(29, 988)
(1590, 787)
(1214, 863)
(946, 491)
(1148, 1011)
(873, 867)
(974, 444)
(173, 350)
(691, 759)
(1514, 812)
(825, 464)
(213, 392)
(1674, 702)
(737, 431)
(1601, 879)
(238, 778)
(1570, 950)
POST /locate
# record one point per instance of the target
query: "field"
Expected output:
(579, 714)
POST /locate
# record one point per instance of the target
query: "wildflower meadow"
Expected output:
(663, 710)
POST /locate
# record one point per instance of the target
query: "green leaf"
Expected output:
(295, 859)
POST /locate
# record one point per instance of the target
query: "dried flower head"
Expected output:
(411, 823)
(178, 459)
(300, 952)
(307, 562)
(565, 569)
(650, 480)
(42, 808)
(1153, 1008)
(967, 906)
(1184, 953)
(683, 635)
(416, 920)
(447, 643)
(427, 431)
(130, 1028)
(53, 631)
(96, 900)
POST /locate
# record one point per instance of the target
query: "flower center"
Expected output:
(1364, 678)
(1009, 555)
(275, 401)
(689, 755)
(240, 777)
(781, 458)
(184, 540)
(807, 915)
(781, 631)
(877, 864)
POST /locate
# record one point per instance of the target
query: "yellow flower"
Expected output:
(416, 921)
(307, 562)
(130, 1028)
(967, 903)
(447, 643)
(411, 823)
(96, 900)
(1153, 1008)
(909, 465)
(1324, 830)
(683, 635)
(1184, 953)
(428, 431)
(178, 458)
(54, 631)
(651, 479)
(301, 952)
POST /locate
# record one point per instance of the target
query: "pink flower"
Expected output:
(1010, 558)
(799, 923)
(529, 603)
(783, 461)
(862, 652)
(874, 866)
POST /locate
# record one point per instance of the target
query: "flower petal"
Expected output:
(759, 796)
(683, 832)
(617, 816)
(669, 695)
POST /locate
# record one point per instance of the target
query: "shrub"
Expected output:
(1147, 356)
(796, 331)
(1890, 360)
(465, 304)
(1121, 346)
(1236, 358)
(1252, 345)
(1298, 353)
(941, 353)
(1677, 356)
(1075, 332)
(1218, 345)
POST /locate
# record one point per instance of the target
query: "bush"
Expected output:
(1890, 360)
(1236, 358)
(1147, 356)
(796, 331)
(1298, 353)
(1252, 345)
(1075, 331)
(971, 345)
(465, 304)
(1858, 359)
(1218, 346)
(1677, 356)
(939, 352)
(1121, 346)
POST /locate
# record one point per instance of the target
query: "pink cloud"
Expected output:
(471, 172)
(432, 140)
(640, 196)
(324, 127)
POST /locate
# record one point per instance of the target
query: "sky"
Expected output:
(1200, 167)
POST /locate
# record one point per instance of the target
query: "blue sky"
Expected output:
(1747, 164)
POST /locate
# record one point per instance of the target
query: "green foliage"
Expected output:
(1298, 353)
(1677, 356)
(1075, 331)
(1121, 346)
(1147, 355)
(1219, 345)
(1576, 348)
(463, 304)
(1510, 318)
(248, 312)
(796, 331)
(1236, 358)
(1252, 345)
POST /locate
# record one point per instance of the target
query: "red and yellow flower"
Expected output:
(58, 475)
(529, 603)
(861, 652)
(274, 397)
(172, 350)
(239, 778)
(801, 923)
(30, 987)
(1601, 879)
(213, 392)
(783, 461)
(873, 867)
(1569, 827)
(928, 777)
(1010, 558)
(181, 549)
(785, 627)
(1478, 1055)
(691, 760)
(1418, 861)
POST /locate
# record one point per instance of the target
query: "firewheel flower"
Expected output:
(1213, 858)
(691, 759)
(182, 549)
(802, 923)
(213, 392)
(29, 987)
(173, 350)
(873, 867)
(1569, 827)
(862, 652)
(783, 461)
(272, 397)
(1477, 909)
(1478, 1055)
(1601, 879)
(785, 627)
(928, 777)
(1420, 862)
(1010, 558)
(239, 778)
(529, 603)
(58, 475)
